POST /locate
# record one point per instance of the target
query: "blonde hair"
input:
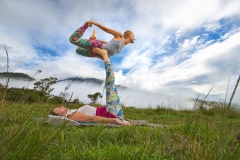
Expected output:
(126, 33)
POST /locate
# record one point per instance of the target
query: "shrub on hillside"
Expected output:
(26, 95)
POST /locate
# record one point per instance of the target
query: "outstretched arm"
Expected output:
(115, 33)
(78, 116)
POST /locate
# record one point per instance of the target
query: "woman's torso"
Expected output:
(92, 111)
(88, 110)
(113, 46)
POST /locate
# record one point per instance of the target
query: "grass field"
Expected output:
(201, 134)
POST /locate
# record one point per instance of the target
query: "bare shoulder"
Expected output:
(119, 37)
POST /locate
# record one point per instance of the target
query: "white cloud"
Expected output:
(46, 24)
(200, 64)
(212, 26)
(134, 98)
(189, 44)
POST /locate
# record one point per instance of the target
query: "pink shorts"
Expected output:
(94, 44)
(101, 111)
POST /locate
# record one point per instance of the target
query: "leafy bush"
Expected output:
(44, 85)
(26, 95)
(94, 97)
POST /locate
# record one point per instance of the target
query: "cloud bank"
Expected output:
(182, 49)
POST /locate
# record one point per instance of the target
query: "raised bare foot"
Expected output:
(94, 35)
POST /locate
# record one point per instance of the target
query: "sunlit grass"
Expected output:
(208, 134)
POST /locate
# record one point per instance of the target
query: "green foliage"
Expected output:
(40, 93)
(44, 85)
(1, 86)
(21, 95)
(94, 97)
(1, 91)
(76, 101)
(59, 99)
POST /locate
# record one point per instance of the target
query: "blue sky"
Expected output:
(182, 48)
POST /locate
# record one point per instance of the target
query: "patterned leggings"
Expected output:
(84, 46)
(113, 102)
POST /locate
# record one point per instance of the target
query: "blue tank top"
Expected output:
(113, 47)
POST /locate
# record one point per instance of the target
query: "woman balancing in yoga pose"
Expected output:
(112, 113)
(92, 47)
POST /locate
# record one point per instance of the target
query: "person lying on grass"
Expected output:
(88, 114)
(113, 111)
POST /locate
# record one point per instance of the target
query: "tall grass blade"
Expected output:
(226, 93)
(7, 81)
(229, 104)
(205, 98)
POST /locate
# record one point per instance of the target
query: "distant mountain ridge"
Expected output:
(23, 76)
(81, 79)
(16, 75)
(88, 80)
